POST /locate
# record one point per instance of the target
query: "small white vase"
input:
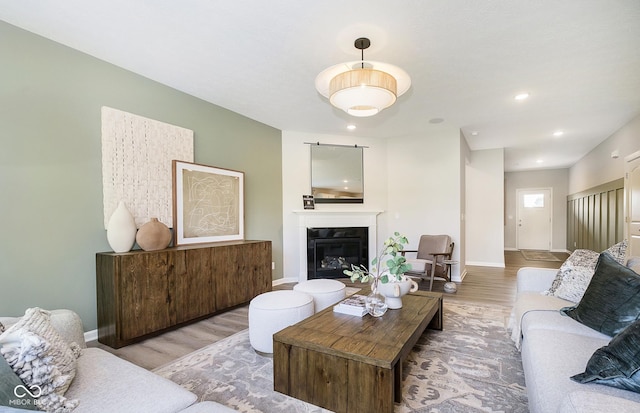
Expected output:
(394, 290)
(121, 229)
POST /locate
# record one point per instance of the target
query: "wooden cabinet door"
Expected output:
(241, 272)
(145, 288)
(194, 284)
(259, 270)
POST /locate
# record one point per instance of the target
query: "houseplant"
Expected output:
(386, 274)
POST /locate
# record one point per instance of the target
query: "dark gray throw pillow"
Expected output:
(9, 380)
(612, 299)
(617, 364)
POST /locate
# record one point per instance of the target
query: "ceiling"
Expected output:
(578, 59)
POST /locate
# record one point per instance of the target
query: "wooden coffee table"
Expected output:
(352, 364)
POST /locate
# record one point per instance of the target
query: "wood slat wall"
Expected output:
(595, 217)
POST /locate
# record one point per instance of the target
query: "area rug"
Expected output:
(534, 255)
(471, 366)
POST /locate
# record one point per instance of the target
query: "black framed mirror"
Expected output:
(337, 174)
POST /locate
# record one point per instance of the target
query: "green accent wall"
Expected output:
(51, 213)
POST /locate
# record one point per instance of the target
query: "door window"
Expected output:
(533, 200)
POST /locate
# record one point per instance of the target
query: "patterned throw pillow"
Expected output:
(575, 273)
(42, 358)
(1, 327)
(579, 259)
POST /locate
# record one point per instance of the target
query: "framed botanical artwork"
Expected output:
(208, 203)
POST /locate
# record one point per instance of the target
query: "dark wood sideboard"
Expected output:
(142, 293)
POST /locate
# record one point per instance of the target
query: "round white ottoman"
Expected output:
(324, 292)
(271, 312)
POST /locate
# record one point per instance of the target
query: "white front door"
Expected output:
(533, 230)
(632, 189)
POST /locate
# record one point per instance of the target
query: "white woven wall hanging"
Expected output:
(136, 164)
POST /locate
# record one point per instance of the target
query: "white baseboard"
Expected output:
(486, 264)
(552, 250)
(459, 278)
(91, 335)
(285, 280)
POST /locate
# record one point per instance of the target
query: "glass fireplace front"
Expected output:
(332, 250)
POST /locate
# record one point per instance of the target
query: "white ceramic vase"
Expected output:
(121, 229)
(394, 290)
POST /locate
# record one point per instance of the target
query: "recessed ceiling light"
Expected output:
(351, 127)
(521, 96)
(474, 133)
(436, 120)
(539, 161)
(558, 133)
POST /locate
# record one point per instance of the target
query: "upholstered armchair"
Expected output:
(429, 262)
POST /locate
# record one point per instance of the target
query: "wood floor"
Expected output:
(481, 285)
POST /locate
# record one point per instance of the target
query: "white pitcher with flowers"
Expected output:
(388, 282)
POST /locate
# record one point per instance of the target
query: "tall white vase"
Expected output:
(121, 229)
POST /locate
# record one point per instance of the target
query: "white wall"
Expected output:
(485, 208)
(296, 181)
(597, 167)
(424, 186)
(414, 180)
(557, 180)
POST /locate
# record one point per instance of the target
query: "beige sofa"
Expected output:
(554, 348)
(106, 383)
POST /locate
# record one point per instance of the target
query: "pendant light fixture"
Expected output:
(362, 88)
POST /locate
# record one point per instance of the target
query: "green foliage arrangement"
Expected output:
(390, 270)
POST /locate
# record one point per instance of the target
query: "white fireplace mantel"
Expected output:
(313, 218)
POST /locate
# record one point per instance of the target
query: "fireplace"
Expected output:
(331, 219)
(332, 250)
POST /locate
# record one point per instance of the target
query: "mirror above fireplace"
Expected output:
(337, 174)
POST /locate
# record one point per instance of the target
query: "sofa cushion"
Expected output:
(106, 383)
(592, 402)
(555, 321)
(617, 364)
(550, 358)
(575, 273)
(69, 325)
(210, 407)
(531, 301)
(612, 300)
(42, 359)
